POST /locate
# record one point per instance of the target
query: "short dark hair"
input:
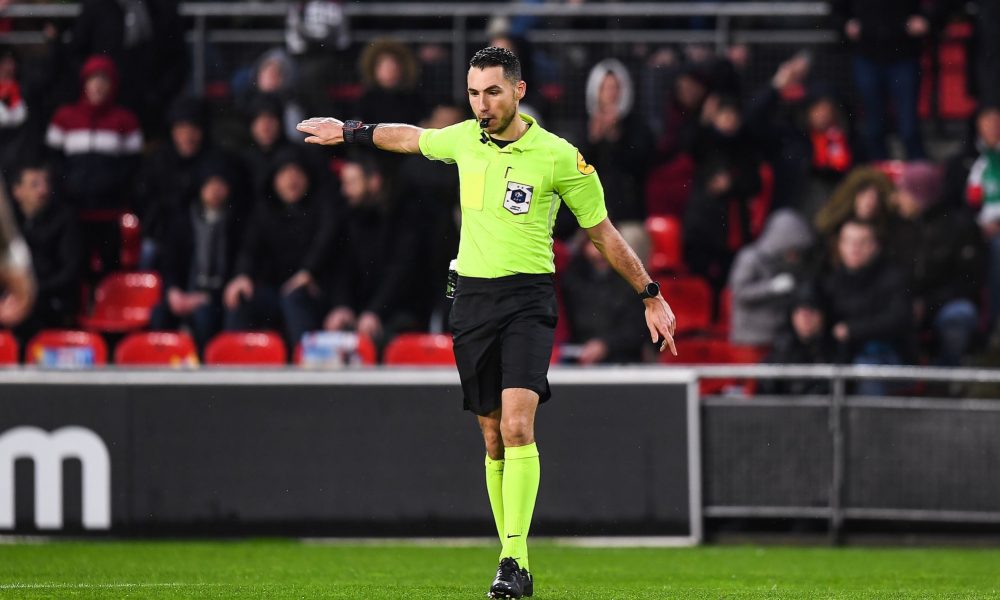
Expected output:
(495, 56)
(866, 223)
(24, 167)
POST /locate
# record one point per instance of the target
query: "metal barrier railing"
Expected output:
(458, 33)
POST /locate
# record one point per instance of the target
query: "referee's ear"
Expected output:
(520, 88)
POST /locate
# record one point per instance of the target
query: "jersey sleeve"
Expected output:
(441, 144)
(579, 186)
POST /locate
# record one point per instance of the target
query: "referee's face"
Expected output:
(493, 96)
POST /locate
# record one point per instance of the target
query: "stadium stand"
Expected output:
(124, 302)
(66, 348)
(246, 348)
(8, 348)
(157, 348)
(420, 349)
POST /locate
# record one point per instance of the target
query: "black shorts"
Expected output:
(503, 330)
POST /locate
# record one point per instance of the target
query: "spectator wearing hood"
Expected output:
(287, 244)
(865, 195)
(374, 275)
(805, 340)
(717, 219)
(764, 275)
(942, 249)
(275, 74)
(870, 312)
(317, 34)
(145, 39)
(199, 255)
(52, 234)
(389, 72)
(619, 146)
(887, 39)
(96, 147)
(169, 179)
(803, 135)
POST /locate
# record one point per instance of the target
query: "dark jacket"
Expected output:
(179, 250)
(282, 239)
(601, 305)
(789, 349)
(945, 255)
(377, 260)
(622, 166)
(53, 235)
(875, 304)
(883, 27)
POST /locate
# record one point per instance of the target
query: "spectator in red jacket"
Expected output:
(96, 144)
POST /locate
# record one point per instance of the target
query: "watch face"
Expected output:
(653, 289)
(352, 124)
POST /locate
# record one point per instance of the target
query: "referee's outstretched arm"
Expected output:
(394, 137)
(659, 318)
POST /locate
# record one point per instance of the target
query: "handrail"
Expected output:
(436, 9)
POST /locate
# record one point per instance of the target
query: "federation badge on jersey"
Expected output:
(582, 166)
(518, 197)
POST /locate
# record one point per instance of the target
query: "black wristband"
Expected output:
(356, 132)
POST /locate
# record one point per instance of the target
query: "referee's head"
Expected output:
(495, 88)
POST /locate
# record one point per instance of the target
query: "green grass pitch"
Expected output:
(290, 569)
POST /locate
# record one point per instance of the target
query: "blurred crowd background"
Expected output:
(827, 202)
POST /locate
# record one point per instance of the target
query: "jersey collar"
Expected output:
(525, 141)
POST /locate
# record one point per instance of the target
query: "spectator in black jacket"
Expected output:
(602, 311)
(53, 236)
(869, 304)
(390, 73)
(717, 220)
(374, 275)
(285, 252)
(943, 250)
(198, 257)
(806, 341)
(887, 38)
(267, 139)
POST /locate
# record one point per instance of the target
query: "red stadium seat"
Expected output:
(66, 348)
(420, 349)
(667, 237)
(124, 302)
(690, 298)
(246, 348)
(148, 348)
(715, 352)
(8, 348)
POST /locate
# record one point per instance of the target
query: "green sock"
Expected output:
(494, 485)
(520, 487)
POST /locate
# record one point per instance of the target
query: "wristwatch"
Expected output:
(652, 290)
(349, 128)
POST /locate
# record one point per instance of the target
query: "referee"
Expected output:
(513, 176)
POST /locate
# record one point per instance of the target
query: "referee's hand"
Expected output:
(661, 322)
(325, 131)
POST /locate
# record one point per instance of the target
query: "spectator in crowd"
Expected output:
(284, 255)
(198, 257)
(145, 39)
(601, 309)
(274, 74)
(803, 135)
(13, 113)
(717, 220)
(764, 275)
(267, 138)
(96, 145)
(868, 301)
(373, 278)
(865, 195)
(683, 111)
(168, 181)
(887, 38)
(389, 73)
(432, 186)
(805, 340)
(984, 52)
(317, 33)
(619, 146)
(942, 248)
(982, 191)
(53, 236)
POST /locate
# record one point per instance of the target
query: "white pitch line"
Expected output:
(82, 586)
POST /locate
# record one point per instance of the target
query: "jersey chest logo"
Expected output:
(518, 197)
